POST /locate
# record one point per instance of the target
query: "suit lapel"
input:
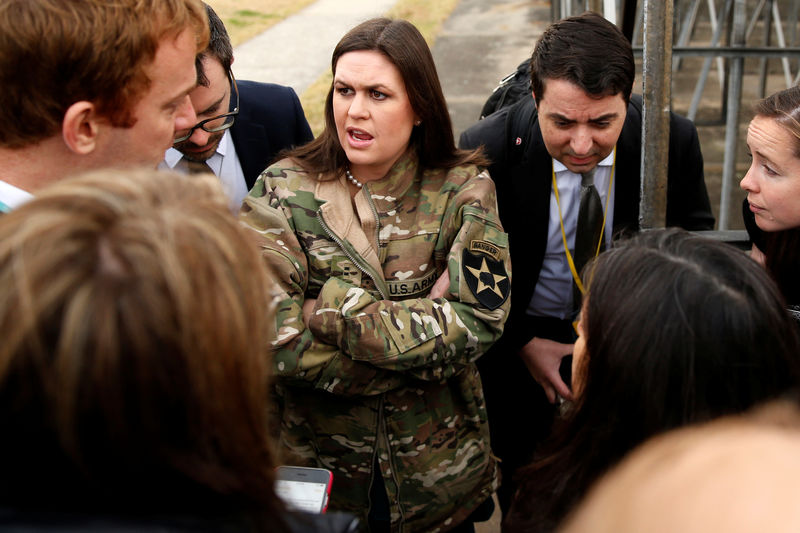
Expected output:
(532, 180)
(250, 140)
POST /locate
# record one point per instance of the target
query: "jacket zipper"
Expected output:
(350, 256)
(375, 214)
(382, 434)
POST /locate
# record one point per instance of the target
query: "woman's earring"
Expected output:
(417, 123)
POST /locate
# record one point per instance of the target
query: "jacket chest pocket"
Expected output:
(342, 267)
(327, 260)
(411, 264)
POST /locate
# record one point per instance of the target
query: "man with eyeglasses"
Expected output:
(241, 126)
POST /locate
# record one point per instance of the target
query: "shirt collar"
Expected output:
(12, 197)
(171, 157)
(215, 162)
(224, 143)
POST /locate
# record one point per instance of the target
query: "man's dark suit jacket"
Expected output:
(522, 172)
(270, 119)
(521, 167)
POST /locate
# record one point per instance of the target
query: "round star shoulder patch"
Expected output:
(486, 277)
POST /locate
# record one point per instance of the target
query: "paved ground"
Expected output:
(298, 50)
(481, 42)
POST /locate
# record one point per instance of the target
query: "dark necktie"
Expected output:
(197, 167)
(590, 226)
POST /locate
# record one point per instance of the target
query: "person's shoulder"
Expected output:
(467, 183)
(494, 125)
(270, 99)
(464, 173)
(283, 169)
(285, 178)
(504, 129)
(277, 109)
(257, 87)
(485, 130)
(679, 125)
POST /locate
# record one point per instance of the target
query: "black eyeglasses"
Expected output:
(227, 118)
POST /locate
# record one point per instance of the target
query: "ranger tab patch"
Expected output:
(486, 277)
(485, 247)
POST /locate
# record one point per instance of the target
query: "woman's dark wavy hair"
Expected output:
(432, 140)
(679, 329)
(586, 50)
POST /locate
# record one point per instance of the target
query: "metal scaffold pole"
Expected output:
(732, 116)
(656, 91)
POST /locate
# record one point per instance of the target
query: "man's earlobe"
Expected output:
(80, 127)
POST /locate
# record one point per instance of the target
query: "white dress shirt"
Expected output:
(12, 197)
(552, 296)
(224, 164)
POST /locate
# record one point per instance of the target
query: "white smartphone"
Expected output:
(304, 489)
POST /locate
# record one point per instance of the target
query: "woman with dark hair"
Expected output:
(134, 367)
(386, 242)
(675, 329)
(772, 208)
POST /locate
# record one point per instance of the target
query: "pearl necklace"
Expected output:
(352, 179)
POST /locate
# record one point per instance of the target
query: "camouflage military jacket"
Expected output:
(383, 372)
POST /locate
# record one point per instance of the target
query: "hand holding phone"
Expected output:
(304, 489)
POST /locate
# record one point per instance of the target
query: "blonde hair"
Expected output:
(136, 322)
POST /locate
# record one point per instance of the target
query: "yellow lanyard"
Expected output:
(572, 269)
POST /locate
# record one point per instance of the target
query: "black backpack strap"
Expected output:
(511, 89)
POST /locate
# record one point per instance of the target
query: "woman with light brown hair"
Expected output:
(772, 209)
(136, 325)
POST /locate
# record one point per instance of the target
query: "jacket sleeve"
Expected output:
(429, 338)
(299, 356)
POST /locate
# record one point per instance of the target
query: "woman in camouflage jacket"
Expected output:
(395, 275)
